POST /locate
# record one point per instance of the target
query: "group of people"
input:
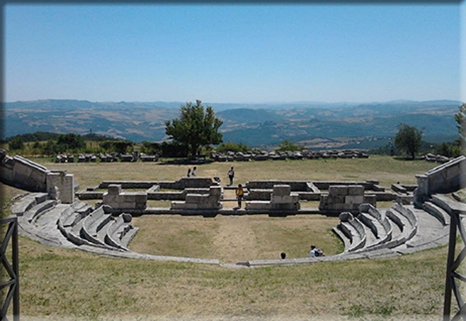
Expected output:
(314, 252)
(239, 190)
(192, 173)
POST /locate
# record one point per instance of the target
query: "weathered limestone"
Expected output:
(445, 178)
(203, 202)
(27, 175)
(181, 184)
(281, 199)
(24, 174)
(343, 198)
(62, 184)
(133, 202)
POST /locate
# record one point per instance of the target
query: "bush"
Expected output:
(232, 147)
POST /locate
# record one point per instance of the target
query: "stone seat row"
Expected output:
(96, 227)
(77, 223)
(401, 226)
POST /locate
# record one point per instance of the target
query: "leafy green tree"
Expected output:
(287, 145)
(16, 143)
(151, 148)
(196, 127)
(232, 147)
(71, 141)
(120, 146)
(408, 139)
(174, 149)
(461, 120)
(50, 148)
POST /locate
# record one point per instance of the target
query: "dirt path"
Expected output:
(235, 240)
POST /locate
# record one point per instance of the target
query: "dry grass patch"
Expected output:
(385, 169)
(58, 283)
(234, 238)
(68, 283)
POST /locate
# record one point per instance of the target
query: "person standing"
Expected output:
(231, 175)
(193, 173)
(239, 194)
(189, 172)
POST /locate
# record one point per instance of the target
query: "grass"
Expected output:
(387, 170)
(84, 286)
(234, 239)
(60, 283)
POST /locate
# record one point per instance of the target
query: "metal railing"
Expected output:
(454, 279)
(10, 271)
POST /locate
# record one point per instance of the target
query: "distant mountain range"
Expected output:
(314, 124)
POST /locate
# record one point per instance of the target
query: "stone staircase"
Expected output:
(376, 233)
(400, 228)
(373, 233)
(78, 225)
(74, 224)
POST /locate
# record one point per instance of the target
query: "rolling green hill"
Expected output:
(258, 125)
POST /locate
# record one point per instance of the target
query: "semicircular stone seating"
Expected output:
(74, 224)
(371, 233)
(401, 228)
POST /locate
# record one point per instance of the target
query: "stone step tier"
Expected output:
(73, 224)
(372, 233)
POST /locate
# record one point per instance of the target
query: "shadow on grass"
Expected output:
(404, 158)
(185, 161)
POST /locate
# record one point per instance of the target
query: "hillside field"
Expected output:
(63, 284)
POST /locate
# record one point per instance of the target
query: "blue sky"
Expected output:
(233, 53)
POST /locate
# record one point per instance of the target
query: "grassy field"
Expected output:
(59, 284)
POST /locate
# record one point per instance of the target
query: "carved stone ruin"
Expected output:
(281, 199)
(344, 198)
(445, 178)
(27, 175)
(205, 202)
(132, 202)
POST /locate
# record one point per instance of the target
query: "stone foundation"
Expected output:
(281, 199)
(445, 178)
(343, 198)
(123, 201)
(204, 202)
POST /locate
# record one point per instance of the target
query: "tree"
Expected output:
(231, 147)
(461, 120)
(289, 146)
(408, 139)
(195, 128)
(119, 146)
(16, 143)
(71, 141)
(151, 148)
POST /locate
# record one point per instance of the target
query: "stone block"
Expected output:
(371, 199)
(338, 190)
(354, 200)
(281, 190)
(114, 189)
(258, 205)
(337, 199)
(216, 191)
(345, 217)
(355, 190)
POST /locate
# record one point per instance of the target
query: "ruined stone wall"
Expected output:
(445, 178)
(27, 175)
(122, 201)
(343, 198)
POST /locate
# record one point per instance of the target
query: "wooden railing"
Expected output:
(9, 286)
(455, 261)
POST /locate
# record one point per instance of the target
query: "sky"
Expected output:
(234, 53)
